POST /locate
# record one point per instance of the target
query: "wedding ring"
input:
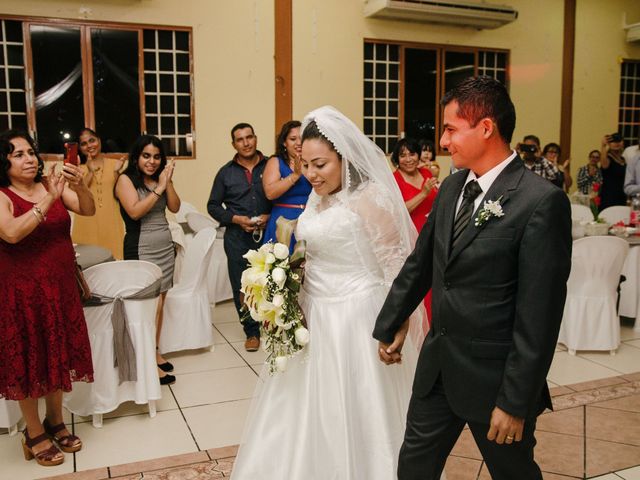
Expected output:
(509, 437)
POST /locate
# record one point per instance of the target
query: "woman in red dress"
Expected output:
(44, 344)
(418, 188)
(417, 185)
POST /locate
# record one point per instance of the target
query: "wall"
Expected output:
(601, 45)
(233, 68)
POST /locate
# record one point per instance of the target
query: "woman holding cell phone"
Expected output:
(145, 190)
(100, 173)
(44, 345)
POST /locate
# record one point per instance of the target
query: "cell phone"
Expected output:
(71, 153)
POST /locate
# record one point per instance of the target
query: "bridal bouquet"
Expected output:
(271, 285)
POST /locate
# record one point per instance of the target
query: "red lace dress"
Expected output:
(44, 344)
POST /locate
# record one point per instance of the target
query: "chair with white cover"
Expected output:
(186, 322)
(615, 214)
(218, 283)
(106, 393)
(581, 213)
(180, 242)
(10, 415)
(181, 214)
(198, 221)
(590, 320)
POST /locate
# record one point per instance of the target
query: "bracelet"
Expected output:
(37, 209)
(157, 194)
(37, 215)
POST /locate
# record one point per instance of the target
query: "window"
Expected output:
(120, 79)
(629, 110)
(403, 85)
(13, 107)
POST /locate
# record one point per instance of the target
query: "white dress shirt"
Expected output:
(485, 181)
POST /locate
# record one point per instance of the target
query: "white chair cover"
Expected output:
(181, 214)
(10, 415)
(617, 213)
(198, 221)
(218, 283)
(104, 394)
(581, 213)
(179, 240)
(186, 320)
(590, 320)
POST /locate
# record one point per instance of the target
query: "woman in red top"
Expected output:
(417, 185)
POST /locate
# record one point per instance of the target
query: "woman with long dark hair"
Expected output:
(145, 190)
(283, 181)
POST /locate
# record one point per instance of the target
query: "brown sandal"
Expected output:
(46, 458)
(69, 443)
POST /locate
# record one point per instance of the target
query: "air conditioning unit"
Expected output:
(633, 32)
(453, 12)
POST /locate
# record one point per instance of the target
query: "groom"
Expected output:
(498, 274)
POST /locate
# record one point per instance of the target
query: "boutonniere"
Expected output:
(490, 209)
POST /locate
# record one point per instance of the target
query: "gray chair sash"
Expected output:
(124, 355)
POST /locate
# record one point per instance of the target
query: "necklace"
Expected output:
(97, 178)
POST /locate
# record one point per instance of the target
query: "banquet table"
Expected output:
(90, 255)
(630, 288)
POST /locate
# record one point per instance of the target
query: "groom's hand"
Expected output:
(504, 428)
(390, 353)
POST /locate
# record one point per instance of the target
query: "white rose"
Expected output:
(278, 300)
(279, 276)
(302, 336)
(270, 258)
(281, 251)
(281, 363)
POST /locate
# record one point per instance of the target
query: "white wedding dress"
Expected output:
(337, 412)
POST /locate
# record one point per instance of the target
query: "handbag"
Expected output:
(83, 286)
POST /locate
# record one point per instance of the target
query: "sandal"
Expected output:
(47, 458)
(69, 443)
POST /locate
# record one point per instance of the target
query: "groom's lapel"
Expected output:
(502, 186)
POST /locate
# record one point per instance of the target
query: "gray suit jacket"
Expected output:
(497, 297)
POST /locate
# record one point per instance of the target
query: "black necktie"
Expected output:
(471, 191)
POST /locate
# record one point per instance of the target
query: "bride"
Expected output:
(338, 412)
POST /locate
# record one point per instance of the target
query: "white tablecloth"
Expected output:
(630, 289)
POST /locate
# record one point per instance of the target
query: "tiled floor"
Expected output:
(594, 431)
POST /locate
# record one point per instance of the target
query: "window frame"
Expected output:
(85, 27)
(634, 126)
(440, 50)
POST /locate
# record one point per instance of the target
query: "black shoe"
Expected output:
(166, 367)
(167, 380)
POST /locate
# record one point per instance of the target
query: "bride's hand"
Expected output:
(391, 353)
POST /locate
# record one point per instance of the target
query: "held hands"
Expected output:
(504, 428)
(74, 176)
(297, 166)
(430, 184)
(392, 353)
(165, 176)
(54, 183)
(245, 223)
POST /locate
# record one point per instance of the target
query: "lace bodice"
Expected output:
(351, 246)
